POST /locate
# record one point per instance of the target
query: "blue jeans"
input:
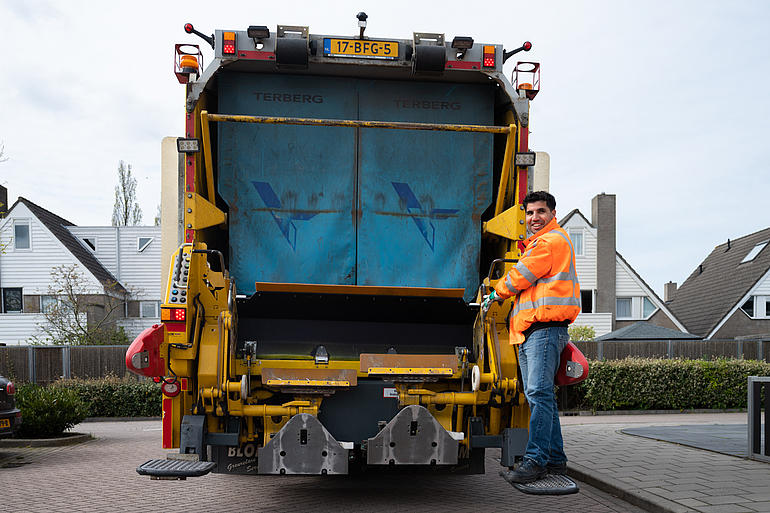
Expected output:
(539, 358)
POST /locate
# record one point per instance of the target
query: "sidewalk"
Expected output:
(662, 476)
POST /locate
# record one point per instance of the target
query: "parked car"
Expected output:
(10, 415)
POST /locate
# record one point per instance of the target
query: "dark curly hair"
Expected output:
(534, 196)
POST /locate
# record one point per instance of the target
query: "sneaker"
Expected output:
(559, 469)
(527, 472)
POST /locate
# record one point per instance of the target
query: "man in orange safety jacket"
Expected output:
(546, 295)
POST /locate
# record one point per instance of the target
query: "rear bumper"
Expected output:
(10, 422)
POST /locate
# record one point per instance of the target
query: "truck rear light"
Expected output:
(525, 159)
(171, 389)
(188, 145)
(489, 56)
(228, 43)
(173, 314)
(10, 389)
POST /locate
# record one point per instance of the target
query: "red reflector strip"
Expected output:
(463, 65)
(262, 56)
(489, 56)
(168, 417)
(184, 384)
(176, 327)
(228, 43)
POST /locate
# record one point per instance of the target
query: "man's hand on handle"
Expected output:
(489, 299)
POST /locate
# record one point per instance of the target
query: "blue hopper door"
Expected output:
(333, 205)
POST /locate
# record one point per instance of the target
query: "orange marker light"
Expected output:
(489, 56)
(173, 314)
(188, 64)
(228, 43)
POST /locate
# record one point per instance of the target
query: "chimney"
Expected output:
(668, 291)
(603, 218)
(3, 201)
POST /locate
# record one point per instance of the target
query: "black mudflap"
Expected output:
(549, 485)
(235, 460)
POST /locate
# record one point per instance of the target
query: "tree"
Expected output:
(581, 333)
(126, 211)
(80, 313)
(2, 152)
(157, 216)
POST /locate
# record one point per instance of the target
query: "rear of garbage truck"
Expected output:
(343, 203)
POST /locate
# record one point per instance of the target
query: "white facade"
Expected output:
(30, 269)
(634, 299)
(130, 254)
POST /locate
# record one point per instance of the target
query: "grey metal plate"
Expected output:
(549, 485)
(303, 446)
(175, 468)
(413, 437)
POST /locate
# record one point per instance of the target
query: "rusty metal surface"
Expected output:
(402, 363)
(359, 124)
(357, 290)
(392, 201)
(309, 377)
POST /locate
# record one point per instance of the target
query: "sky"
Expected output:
(663, 103)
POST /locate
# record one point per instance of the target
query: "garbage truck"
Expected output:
(344, 203)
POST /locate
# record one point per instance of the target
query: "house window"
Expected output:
(587, 301)
(90, 242)
(757, 307)
(577, 241)
(647, 307)
(143, 242)
(149, 309)
(754, 252)
(21, 238)
(623, 308)
(48, 304)
(634, 308)
(11, 300)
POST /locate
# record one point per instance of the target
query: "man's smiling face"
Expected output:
(538, 215)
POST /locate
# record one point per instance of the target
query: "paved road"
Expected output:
(99, 475)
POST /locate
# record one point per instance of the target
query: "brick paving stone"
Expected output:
(724, 508)
(763, 507)
(100, 475)
(707, 481)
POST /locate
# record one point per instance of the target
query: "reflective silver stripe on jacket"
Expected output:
(546, 301)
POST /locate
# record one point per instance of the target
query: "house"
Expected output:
(728, 295)
(118, 268)
(613, 295)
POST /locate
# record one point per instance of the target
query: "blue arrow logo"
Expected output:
(284, 219)
(423, 220)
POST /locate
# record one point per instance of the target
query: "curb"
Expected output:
(74, 438)
(590, 413)
(119, 419)
(634, 496)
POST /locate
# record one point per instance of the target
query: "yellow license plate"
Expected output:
(361, 48)
(5, 423)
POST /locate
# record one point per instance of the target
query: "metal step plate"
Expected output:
(549, 485)
(175, 468)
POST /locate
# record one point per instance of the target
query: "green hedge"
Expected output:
(116, 397)
(678, 384)
(48, 411)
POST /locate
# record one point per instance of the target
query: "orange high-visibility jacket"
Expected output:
(544, 282)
